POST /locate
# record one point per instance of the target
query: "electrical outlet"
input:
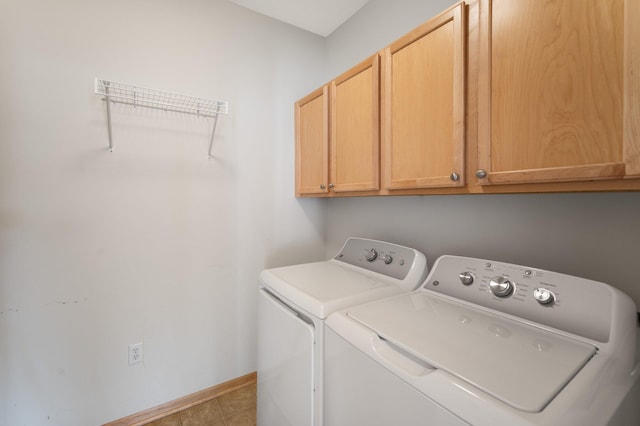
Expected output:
(135, 353)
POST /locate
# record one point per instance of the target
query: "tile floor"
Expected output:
(237, 408)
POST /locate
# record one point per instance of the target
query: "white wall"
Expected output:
(153, 242)
(594, 236)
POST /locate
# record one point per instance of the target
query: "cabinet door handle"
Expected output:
(481, 174)
(331, 186)
(454, 177)
(322, 186)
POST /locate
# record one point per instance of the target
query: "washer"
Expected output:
(486, 343)
(295, 300)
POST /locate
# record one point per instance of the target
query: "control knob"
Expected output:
(501, 286)
(371, 255)
(543, 296)
(387, 259)
(466, 278)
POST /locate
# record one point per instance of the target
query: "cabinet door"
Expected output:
(423, 105)
(551, 90)
(312, 142)
(355, 128)
(632, 88)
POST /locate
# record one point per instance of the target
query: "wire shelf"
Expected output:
(158, 99)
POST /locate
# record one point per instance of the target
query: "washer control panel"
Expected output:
(562, 301)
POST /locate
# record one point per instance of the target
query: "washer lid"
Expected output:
(321, 288)
(521, 365)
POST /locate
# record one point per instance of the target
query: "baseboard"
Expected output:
(185, 402)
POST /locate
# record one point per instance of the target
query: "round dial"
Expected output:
(387, 258)
(501, 286)
(543, 296)
(371, 255)
(466, 278)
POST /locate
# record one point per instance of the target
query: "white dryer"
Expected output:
(486, 343)
(295, 300)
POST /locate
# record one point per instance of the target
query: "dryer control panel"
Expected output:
(399, 262)
(576, 305)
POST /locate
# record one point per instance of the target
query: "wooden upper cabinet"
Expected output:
(355, 128)
(338, 134)
(550, 91)
(312, 142)
(423, 105)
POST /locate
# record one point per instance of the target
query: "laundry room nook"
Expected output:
(285, 212)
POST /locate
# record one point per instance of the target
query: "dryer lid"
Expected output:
(521, 365)
(321, 288)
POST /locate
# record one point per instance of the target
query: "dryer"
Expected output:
(486, 343)
(294, 302)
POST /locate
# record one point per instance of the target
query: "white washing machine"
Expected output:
(293, 304)
(486, 343)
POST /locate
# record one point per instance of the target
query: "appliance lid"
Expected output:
(321, 288)
(521, 365)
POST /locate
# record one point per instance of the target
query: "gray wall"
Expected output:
(375, 25)
(591, 235)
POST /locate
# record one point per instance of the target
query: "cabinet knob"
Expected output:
(454, 177)
(481, 174)
(331, 186)
(322, 186)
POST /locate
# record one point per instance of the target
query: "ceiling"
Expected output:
(321, 17)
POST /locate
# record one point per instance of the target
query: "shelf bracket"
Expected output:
(106, 98)
(213, 132)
